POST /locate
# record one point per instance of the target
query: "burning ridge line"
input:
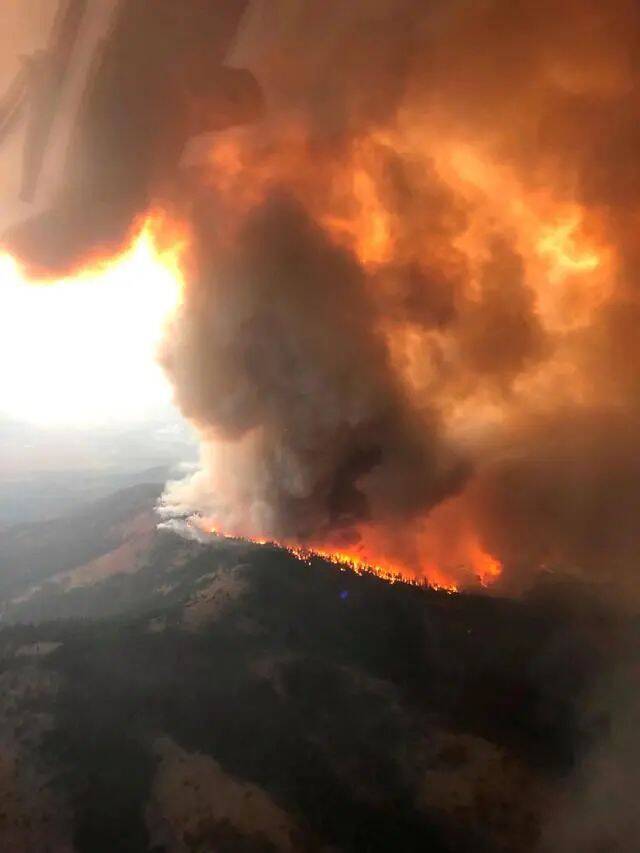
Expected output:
(344, 562)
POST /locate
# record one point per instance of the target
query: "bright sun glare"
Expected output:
(82, 350)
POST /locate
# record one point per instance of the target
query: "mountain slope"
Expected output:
(260, 703)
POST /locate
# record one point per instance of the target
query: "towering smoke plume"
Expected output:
(411, 334)
(280, 361)
(409, 324)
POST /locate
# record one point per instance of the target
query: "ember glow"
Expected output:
(82, 350)
(344, 560)
(361, 566)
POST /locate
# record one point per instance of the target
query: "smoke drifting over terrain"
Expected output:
(409, 325)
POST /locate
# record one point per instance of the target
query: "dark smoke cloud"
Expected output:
(277, 354)
(500, 335)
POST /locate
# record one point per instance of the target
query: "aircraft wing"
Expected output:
(46, 76)
(12, 103)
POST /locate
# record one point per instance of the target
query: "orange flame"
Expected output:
(455, 553)
(342, 559)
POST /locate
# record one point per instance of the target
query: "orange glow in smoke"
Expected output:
(566, 267)
(559, 245)
(368, 230)
(483, 564)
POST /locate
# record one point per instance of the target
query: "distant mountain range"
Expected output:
(47, 472)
